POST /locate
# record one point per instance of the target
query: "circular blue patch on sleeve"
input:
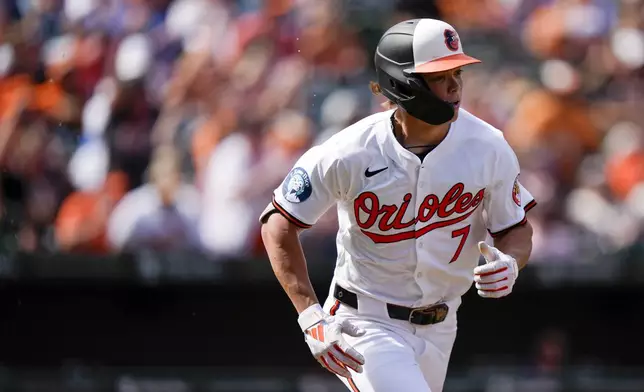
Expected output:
(297, 186)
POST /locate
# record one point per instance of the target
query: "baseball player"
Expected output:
(417, 189)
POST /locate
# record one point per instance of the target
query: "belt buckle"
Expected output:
(437, 313)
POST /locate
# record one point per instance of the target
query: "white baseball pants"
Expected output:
(399, 356)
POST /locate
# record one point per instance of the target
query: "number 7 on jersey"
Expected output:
(463, 233)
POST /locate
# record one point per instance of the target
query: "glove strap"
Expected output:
(311, 316)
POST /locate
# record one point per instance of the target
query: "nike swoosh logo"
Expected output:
(368, 173)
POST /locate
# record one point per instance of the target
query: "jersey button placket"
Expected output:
(420, 196)
(422, 192)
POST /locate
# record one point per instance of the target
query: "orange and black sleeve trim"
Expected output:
(530, 205)
(500, 233)
(527, 208)
(290, 217)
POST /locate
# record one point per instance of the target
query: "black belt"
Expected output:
(433, 314)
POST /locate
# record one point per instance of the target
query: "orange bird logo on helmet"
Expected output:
(451, 40)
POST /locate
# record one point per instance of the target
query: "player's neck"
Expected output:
(411, 131)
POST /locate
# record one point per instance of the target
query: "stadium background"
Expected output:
(140, 139)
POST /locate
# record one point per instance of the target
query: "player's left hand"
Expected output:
(496, 277)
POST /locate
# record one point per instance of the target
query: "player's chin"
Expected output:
(456, 105)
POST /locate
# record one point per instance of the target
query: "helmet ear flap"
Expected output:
(392, 88)
(417, 81)
(403, 90)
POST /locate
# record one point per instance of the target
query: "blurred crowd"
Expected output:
(166, 124)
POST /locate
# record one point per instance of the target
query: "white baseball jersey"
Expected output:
(408, 230)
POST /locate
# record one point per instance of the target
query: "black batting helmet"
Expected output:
(413, 47)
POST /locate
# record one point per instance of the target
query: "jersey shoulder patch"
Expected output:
(297, 186)
(516, 192)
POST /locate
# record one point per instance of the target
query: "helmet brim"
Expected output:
(445, 63)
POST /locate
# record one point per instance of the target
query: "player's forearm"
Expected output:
(517, 243)
(287, 259)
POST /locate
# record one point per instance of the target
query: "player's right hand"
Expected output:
(323, 334)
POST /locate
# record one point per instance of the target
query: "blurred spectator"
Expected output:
(239, 181)
(82, 219)
(160, 215)
(555, 117)
(625, 166)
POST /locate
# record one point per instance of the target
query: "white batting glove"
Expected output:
(323, 334)
(496, 277)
